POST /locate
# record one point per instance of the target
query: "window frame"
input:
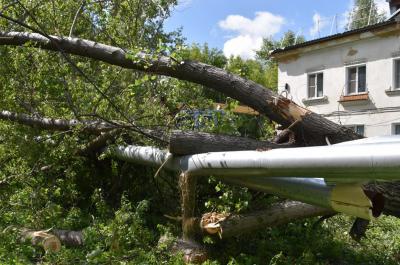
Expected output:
(396, 82)
(315, 84)
(357, 66)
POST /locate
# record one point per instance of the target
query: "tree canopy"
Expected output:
(364, 13)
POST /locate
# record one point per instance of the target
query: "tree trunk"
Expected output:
(226, 225)
(189, 143)
(187, 185)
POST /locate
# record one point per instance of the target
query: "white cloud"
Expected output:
(249, 32)
(183, 5)
(244, 46)
(320, 23)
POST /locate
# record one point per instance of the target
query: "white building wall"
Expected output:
(377, 54)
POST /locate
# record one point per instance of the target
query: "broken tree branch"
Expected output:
(99, 142)
(56, 124)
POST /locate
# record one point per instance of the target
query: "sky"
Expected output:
(238, 26)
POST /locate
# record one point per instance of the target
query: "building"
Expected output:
(352, 78)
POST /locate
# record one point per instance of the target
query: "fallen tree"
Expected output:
(308, 128)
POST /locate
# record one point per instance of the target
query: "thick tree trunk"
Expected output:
(226, 225)
(189, 143)
(310, 128)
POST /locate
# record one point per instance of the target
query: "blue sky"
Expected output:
(238, 26)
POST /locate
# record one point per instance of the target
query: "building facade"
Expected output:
(352, 78)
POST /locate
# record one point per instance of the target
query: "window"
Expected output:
(396, 129)
(397, 74)
(359, 129)
(356, 79)
(315, 85)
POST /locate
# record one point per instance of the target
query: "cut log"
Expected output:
(49, 242)
(225, 225)
(52, 239)
(189, 142)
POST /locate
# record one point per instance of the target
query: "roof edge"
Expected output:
(388, 22)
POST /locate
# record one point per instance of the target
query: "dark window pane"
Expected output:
(360, 129)
(353, 73)
(311, 86)
(397, 129)
(362, 82)
(320, 85)
(352, 77)
(397, 74)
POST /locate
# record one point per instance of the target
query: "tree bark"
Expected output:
(311, 128)
(189, 143)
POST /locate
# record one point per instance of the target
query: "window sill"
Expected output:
(318, 100)
(392, 92)
(359, 98)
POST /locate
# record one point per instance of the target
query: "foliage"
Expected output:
(365, 12)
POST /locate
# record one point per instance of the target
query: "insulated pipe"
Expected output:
(369, 161)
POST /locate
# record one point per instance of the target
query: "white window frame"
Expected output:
(355, 126)
(395, 60)
(394, 128)
(315, 84)
(357, 66)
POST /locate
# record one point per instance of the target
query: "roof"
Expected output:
(392, 20)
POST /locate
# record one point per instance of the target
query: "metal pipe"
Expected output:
(364, 161)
